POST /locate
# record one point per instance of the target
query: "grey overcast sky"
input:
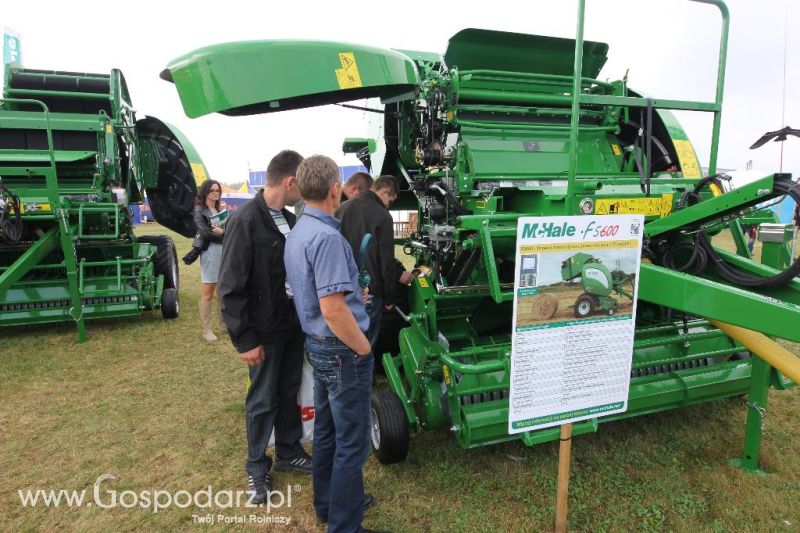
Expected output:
(669, 46)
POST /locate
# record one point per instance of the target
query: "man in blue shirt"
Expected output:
(323, 277)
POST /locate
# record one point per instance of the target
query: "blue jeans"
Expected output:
(342, 390)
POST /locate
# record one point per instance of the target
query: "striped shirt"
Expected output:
(283, 226)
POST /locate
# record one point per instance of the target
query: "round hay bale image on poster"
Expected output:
(544, 306)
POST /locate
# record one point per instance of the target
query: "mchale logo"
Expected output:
(547, 229)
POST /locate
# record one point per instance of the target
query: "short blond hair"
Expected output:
(315, 175)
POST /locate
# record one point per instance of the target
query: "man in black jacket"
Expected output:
(369, 213)
(258, 310)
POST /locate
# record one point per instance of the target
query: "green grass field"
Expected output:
(148, 402)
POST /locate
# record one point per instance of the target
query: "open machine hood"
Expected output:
(278, 75)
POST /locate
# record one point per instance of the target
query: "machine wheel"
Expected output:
(165, 260)
(170, 308)
(584, 306)
(389, 432)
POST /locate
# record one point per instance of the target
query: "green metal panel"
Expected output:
(61, 156)
(352, 145)
(499, 50)
(745, 196)
(715, 300)
(57, 121)
(269, 76)
(503, 155)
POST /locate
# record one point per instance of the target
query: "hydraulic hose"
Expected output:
(468, 266)
(441, 190)
(458, 265)
(697, 262)
(10, 217)
(703, 251)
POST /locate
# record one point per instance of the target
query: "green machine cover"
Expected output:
(474, 49)
(250, 77)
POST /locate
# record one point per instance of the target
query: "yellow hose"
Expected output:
(765, 348)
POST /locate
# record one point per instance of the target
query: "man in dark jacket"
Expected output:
(258, 310)
(369, 213)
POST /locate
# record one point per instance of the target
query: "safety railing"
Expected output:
(578, 98)
(50, 174)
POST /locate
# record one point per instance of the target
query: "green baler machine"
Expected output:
(72, 159)
(598, 284)
(505, 125)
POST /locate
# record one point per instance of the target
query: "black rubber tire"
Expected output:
(170, 308)
(166, 259)
(172, 191)
(584, 299)
(389, 433)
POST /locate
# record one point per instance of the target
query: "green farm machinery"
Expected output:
(72, 159)
(506, 125)
(598, 284)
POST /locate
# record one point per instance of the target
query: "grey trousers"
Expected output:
(272, 403)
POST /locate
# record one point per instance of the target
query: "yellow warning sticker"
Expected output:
(652, 206)
(423, 282)
(616, 149)
(348, 76)
(688, 159)
(199, 172)
(446, 374)
(109, 128)
(666, 204)
(33, 207)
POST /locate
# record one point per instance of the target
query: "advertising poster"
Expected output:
(575, 291)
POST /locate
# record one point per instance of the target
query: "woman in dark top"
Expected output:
(209, 229)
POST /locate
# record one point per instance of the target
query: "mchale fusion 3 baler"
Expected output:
(72, 158)
(506, 125)
(598, 284)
